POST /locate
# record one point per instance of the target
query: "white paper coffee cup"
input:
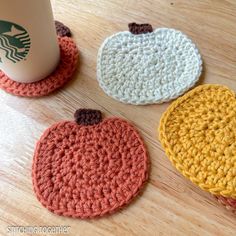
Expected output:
(29, 49)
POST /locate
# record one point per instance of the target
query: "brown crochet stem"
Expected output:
(62, 30)
(140, 28)
(88, 116)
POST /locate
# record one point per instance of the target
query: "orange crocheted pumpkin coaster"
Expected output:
(229, 203)
(63, 72)
(89, 168)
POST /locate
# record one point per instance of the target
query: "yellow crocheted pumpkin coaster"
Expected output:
(198, 133)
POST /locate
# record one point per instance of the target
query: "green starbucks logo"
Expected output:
(14, 41)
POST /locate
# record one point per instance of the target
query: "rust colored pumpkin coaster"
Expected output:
(228, 203)
(62, 74)
(89, 167)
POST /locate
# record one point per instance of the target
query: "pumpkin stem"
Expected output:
(140, 28)
(88, 116)
(62, 30)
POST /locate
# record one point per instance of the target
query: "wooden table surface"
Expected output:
(170, 204)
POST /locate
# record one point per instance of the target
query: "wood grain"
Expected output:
(170, 205)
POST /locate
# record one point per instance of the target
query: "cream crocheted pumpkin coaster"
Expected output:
(145, 67)
(198, 134)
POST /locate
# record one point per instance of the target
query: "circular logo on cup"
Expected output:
(14, 41)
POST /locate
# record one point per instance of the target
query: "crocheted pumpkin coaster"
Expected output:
(228, 203)
(145, 66)
(62, 74)
(89, 167)
(198, 134)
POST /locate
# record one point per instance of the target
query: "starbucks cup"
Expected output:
(29, 49)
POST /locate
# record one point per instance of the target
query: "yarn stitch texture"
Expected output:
(89, 171)
(228, 203)
(148, 68)
(198, 135)
(62, 74)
